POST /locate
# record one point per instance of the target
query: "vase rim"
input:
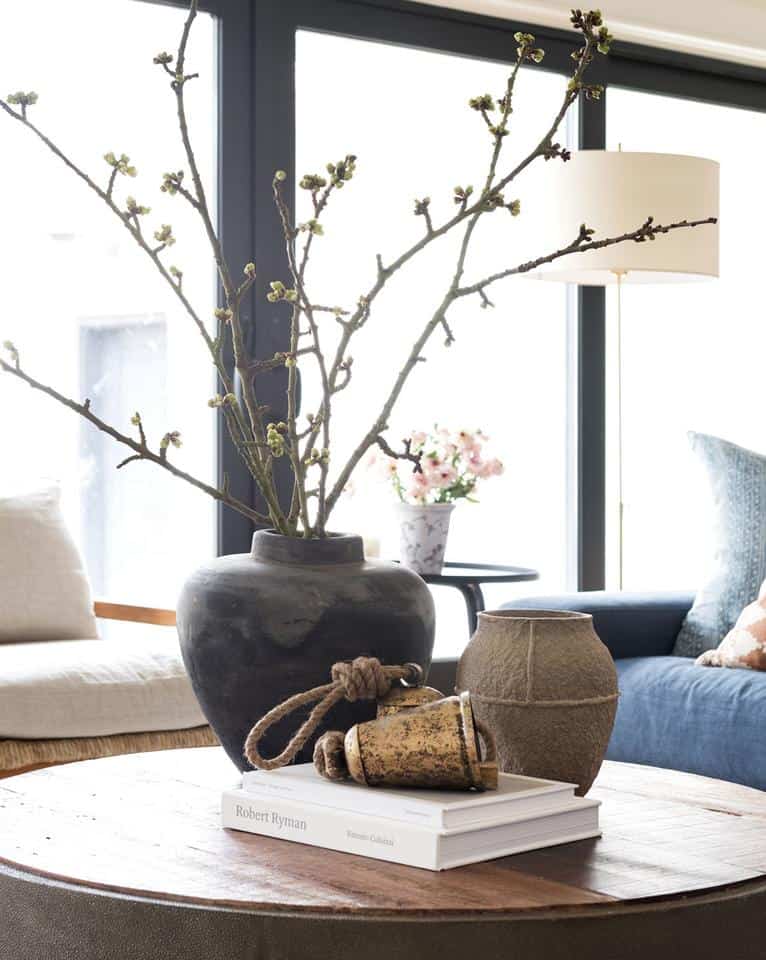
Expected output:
(332, 548)
(537, 615)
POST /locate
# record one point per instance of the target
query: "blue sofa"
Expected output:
(671, 713)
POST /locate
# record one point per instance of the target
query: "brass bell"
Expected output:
(432, 745)
(405, 698)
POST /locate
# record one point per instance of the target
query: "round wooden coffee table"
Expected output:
(124, 859)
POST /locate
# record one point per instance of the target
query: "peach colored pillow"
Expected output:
(745, 644)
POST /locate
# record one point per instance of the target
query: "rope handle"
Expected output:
(364, 678)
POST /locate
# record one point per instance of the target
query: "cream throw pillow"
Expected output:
(44, 593)
(745, 644)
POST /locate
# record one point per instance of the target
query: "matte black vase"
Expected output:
(256, 628)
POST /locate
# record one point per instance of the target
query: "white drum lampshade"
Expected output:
(613, 193)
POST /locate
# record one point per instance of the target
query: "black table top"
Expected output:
(467, 573)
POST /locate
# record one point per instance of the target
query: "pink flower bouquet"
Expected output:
(452, 465)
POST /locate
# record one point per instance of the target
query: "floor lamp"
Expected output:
(613, 193)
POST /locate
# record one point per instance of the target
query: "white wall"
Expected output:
(733, 31)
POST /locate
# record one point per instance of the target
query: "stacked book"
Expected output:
(433, 829)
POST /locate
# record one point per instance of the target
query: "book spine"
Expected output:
(341, 830)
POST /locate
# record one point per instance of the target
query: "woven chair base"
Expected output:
(16, 755)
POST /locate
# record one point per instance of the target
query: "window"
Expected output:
(87, 311)
(406, 118)
(387, 80)
(691, 351)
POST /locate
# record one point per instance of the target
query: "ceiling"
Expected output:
(734, 30)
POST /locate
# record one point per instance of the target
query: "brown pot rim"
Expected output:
(537, 615)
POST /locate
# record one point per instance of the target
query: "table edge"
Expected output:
(607, 906)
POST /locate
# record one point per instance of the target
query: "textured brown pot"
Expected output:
(546, 686)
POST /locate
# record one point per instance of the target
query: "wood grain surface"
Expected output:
(149, 825)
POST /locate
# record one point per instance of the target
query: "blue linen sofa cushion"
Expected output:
(738, 484)
(708, 721)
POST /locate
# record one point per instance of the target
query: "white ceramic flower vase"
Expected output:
(423, 532)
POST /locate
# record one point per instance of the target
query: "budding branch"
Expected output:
(259, 443)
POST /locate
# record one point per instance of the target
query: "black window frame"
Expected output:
(257, 136)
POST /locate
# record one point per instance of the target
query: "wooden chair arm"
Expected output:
(124, 611)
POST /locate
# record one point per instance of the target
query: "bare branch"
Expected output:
(647, 231)
(345, 370)
(405, 454)
(170, 275)
(177, 84)
(127, 460)
(422, 209)
(261, 471)
(140, 450)
(260, 444)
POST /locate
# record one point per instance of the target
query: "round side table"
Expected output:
(468, 579)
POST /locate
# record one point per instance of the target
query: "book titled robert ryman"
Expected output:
(435, 830)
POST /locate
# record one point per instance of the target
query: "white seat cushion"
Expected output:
(92, 688)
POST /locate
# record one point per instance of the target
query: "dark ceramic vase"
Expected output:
(256, 628)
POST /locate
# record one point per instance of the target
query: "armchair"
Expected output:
(69, 700)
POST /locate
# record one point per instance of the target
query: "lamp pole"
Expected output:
(620, 447)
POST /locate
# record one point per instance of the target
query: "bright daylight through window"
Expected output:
(692, 352)
(508, 373)
(89, 315)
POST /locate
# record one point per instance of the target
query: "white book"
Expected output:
(401, 842)
(440, 809)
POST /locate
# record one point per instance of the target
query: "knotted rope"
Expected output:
(330, 756)
(363, 679)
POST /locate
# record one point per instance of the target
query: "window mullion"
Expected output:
(591, 398)
(235, 217)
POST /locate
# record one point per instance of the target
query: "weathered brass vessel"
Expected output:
(433, 745)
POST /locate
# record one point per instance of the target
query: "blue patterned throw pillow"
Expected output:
(738, 481)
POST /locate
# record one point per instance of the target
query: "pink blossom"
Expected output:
(445, 476)
(491, 468)
(381, 466)
(468, 442)
(419, 487)
(475, 465)
(450, 449)
(418, 438)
